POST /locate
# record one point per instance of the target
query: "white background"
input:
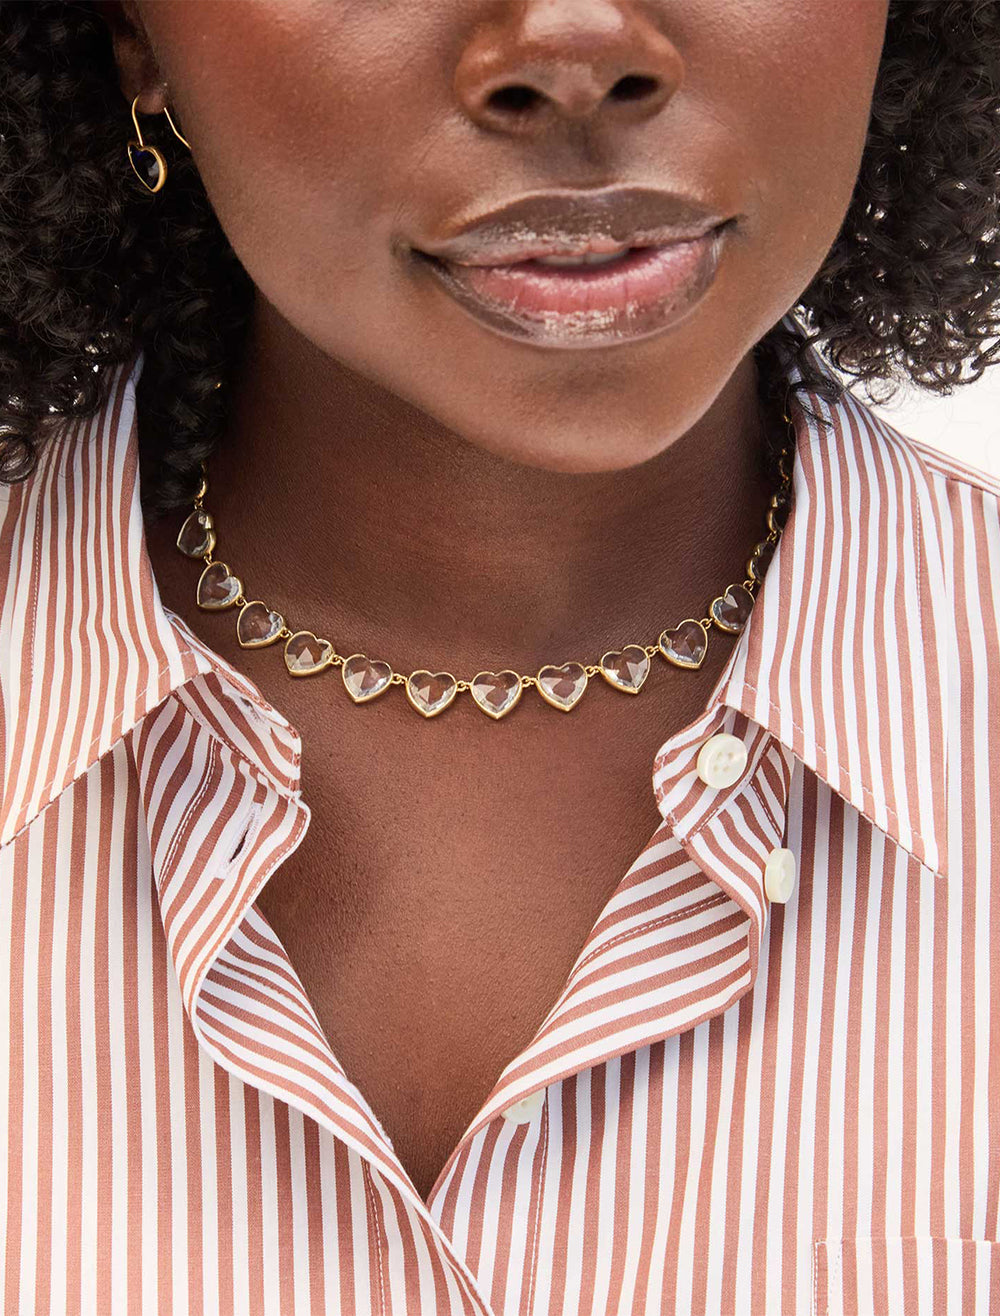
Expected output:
(966, 425)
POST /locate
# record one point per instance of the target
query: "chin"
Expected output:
(596, 457)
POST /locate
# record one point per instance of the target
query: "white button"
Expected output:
(525, 1109)
(721, 759)
(779, 874)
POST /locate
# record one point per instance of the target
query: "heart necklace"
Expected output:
(561, 685)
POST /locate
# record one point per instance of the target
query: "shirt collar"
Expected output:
(845, 656)
(841, 661)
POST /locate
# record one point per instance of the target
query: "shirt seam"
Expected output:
(206, 777)
(538, 1208)
(771, 817)
(650, 924)
(372, 1210)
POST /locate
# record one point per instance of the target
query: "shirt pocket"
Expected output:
(924, 1276)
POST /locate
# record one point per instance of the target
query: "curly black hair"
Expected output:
(93, 267)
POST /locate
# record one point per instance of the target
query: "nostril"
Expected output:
(517, 98)
(633, 87)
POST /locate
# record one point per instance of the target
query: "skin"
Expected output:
(457, 499)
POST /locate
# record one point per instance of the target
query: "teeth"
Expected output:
(584, 258)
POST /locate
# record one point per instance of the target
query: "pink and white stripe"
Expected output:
(748, 1107)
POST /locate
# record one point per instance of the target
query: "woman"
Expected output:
(474, 348)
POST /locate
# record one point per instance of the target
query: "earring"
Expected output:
(148, 163)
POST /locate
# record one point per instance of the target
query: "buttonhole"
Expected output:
(251, 821)
(240, 846)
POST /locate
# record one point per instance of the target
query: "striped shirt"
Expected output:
(736, 1104)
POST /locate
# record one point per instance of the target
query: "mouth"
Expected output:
(588, 293)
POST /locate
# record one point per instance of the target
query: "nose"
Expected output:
(534, 62)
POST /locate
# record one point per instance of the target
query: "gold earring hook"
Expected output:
(174, 127)
(138, 130)
(169, 120)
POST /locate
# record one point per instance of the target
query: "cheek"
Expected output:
(800, 87)
(293, 115)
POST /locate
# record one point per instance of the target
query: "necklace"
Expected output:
(561, 685)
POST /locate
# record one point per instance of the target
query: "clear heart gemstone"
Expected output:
(365, 678)
(731, 610)
(685, 645)
(197, 534)
(258, 625)
(496, 693)
(562, 686)
(626, 670)
(431, 692)
(217, 588)
(306, 653)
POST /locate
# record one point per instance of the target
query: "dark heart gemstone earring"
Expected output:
(149, 165)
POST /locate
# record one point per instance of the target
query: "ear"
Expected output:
(138, 71)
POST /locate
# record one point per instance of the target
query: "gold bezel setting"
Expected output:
(326, 661)
(222, 604)
(720, 601)
(133, 148)
(442, 702)
(372, 662)
(267, 639)
(564, 705)
(612, 680)
(547, 676)
(512, 703)
(672, 630)
(204, 521)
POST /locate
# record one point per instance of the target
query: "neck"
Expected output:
(363, 519)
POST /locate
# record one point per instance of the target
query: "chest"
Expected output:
(452, 872)
(433, 917)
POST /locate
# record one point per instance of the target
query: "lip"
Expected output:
(651, 288)
(550, 223)
(488, 263)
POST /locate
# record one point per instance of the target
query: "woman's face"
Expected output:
(339, 138)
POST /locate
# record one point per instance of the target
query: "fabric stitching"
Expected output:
(175, 840)
(252, 893)
(934, 458)
(35, 569)
(755, 787)
(538, 1208)
(373, 1222)
(838, 1256)
(920, 569)
(817, 1244)
(649, 924)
